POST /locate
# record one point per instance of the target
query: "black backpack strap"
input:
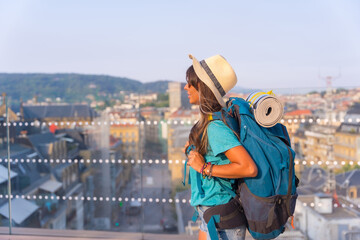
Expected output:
(291, 174)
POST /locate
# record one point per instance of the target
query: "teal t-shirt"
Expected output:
(220, 139)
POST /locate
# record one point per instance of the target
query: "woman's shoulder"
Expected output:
(221, 137)
(217, 125)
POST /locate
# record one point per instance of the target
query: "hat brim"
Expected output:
(204, 77)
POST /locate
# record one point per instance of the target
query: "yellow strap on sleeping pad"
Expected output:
(253, 99)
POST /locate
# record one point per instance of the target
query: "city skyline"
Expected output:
(270, 45)
(103, 170)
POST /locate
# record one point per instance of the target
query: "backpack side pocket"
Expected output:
(231, 215)
(266, 216)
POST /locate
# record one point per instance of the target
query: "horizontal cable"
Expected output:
(132, 199)
(335, 205)
(318, 120)
(327, 163)
(98, 123)
(99, 199)
(175, 122)
(158, 161)
(107, 161)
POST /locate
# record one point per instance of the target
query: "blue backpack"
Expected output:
(268, 199)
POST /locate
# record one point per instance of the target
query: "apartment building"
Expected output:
(347, 143)
(347, 137)
(319, 143)
(293, 119)
(129, 130)
(182, 121)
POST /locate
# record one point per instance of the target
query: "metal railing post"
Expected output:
(8, 158)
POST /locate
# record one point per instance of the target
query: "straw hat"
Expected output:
(217, 74)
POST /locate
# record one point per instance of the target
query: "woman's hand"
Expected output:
(196, 160)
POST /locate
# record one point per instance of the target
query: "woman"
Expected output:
(218, 152)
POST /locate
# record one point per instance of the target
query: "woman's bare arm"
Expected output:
(242, 165)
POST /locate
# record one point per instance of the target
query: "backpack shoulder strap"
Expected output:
(188, 150)
(279, 130)
(230, 120)
(241, 106)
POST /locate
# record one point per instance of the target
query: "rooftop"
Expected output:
(299, 112)
(338, 212)
(58, 111)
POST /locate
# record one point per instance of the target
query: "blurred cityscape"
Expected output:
(120, 167)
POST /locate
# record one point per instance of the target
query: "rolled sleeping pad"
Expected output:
(267, 108)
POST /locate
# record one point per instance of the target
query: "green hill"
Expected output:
(72, 87)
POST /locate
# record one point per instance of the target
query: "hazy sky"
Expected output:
(271, 44)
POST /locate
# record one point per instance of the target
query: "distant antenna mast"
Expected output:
(329, 80)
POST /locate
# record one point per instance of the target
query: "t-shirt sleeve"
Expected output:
(220, 137)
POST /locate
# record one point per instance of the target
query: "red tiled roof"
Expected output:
(184, 113)
(299, 112)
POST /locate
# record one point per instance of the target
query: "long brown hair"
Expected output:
(207, 105)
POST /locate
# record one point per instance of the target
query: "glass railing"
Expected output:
(116, 163)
